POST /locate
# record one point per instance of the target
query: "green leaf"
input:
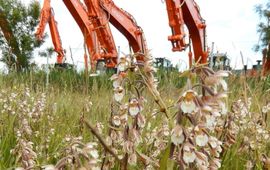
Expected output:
(165, 162)
(17, 24)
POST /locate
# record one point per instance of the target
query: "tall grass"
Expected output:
(71, 96)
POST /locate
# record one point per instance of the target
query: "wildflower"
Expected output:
(266, 161)
(132, 159)
(141, 121)
(116, 80)
(249, 165)
(165, 130)
(215, 163)
(94, 153)
(123, 63)
(108, 140)
(264, 109)
(49, 167)
(266, 136)
(153, 83)
(99, 127)
(128, 147)
(177, 136)
(119, 93)
(114, 135)
(223, 84)
(268, 106)
(201, 160)
(149, 167)
(89, 146)
(135, 136)
(133, 107)
(19, 168)
(116, 120)
(210, 121)
(223, 108)
(215, 143)
(217, 79)
(207, 108)
(124, 117)
(201, 140)
(148, 66)
(188, 156)
(187, 104)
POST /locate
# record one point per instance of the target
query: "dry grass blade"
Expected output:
(102, 142)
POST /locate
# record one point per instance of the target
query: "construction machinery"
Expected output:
(106, 47)
(164, 64)
(47, 17)
(127, 25)
(80, 15)
(103, 12)
(186, 12)
(180, 13)
(93, 18)
(220, 61)
(262, 67)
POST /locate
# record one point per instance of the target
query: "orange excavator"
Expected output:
(107, 48)
(127, 25)
(186, 12)
(94, 19)
(98, 49)
(180, 13)
(47, 16)
(100, 14)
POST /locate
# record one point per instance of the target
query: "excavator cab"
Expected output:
(163, 63)
(220, 61)
(64, 66)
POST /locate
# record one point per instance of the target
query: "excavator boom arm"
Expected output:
(127, 25)
(79, 13)
(98, 37)
(47, 17)
(186, 12)
(100, 22)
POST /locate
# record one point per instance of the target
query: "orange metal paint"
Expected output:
(93, 18)
(126, 24)
(47, 17)
(186, 12)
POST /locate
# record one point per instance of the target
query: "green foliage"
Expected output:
(17, 40)
(63, 80)
(47, 52)
(263, 27)
(67, 91)
(165, 162)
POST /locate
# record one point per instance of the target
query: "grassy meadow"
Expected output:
(43, 126)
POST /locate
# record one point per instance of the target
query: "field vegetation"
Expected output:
(81, 122)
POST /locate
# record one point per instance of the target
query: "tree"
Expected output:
(17, 26)
(264, 26)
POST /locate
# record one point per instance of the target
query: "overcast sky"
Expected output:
(231, 24)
